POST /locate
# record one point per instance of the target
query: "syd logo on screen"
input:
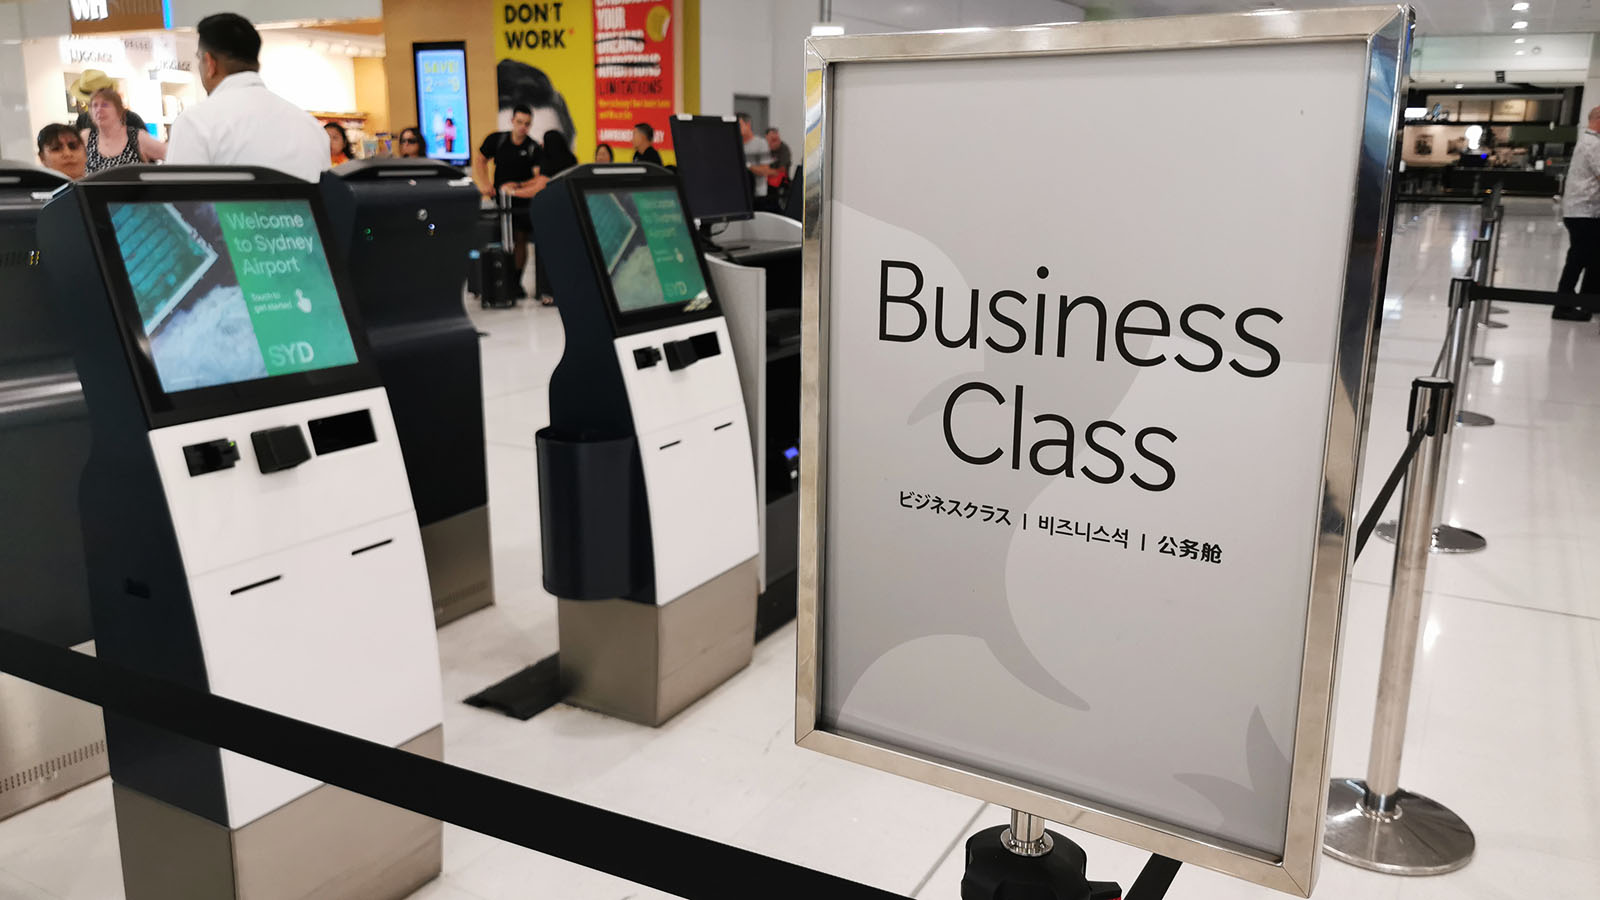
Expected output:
(296, 353)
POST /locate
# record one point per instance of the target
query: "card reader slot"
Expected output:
(722, 426)
(250, 587)
(341, 432)
(360, 550)
(670, 444)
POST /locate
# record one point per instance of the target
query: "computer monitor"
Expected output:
(231, 291)
(712, 167)
(646, 248)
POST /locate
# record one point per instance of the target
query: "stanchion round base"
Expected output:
(1446, 538)
(1473, 419)
(1497, 310)
(1491, 323)
(1421, 836)
(1482, 361)
(995, 873)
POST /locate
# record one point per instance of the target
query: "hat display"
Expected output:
(90, 81)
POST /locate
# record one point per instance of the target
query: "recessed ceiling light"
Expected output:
(1520, 41)
(1520, 53)
(1519, 7)
(1518, 25)
(1460, 86)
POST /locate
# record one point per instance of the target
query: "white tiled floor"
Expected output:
(1505, 725)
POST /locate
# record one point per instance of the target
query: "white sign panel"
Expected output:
(1088, 339)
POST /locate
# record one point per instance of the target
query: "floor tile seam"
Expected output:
(955, 842)
(1501, 603)
(11, 873)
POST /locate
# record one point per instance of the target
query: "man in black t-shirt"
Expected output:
(516, 157)
(644, 136)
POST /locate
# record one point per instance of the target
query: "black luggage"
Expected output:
(491, 269)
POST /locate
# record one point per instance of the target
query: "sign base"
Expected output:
(994, 872)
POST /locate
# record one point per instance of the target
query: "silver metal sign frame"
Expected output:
(1386, 32)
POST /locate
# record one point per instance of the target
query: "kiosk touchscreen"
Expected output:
(647, 488)
(49, 743)
(405, 227)
(249, 527)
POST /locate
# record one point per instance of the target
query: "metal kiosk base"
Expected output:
(460, 568)
(49, 744)
(330, 844)
(646, 663)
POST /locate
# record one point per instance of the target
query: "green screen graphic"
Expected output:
(647, 248)
(231, 291)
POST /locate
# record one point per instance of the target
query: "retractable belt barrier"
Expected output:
(646, 854)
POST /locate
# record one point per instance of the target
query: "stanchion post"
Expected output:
(1449, 538)
(1375, 823)
(1483, 275)
(1476, 314)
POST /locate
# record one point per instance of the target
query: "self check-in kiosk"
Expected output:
(406, 226)
(49, 743)
(646, 485)
(248, 526)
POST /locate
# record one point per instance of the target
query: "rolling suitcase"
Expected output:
(491, 269)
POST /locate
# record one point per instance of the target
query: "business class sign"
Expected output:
(1082, 426)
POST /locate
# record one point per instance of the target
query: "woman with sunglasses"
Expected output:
(412, 145)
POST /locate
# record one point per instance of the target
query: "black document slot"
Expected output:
(250, 587)
(706, 345)
(360, 550)
(342, 432)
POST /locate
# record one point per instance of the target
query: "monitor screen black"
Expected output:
(646, 248)
(711, 164)
(230, 291)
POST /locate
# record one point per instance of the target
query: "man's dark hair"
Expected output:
(646, 129)
(743, 117)
(55, 134)
(523, 108)
(232, 40)
(774, 130)
(521, 83)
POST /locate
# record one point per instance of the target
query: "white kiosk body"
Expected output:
(248, 526)
(647, 488)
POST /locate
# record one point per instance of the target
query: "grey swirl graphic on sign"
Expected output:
(1267, 765)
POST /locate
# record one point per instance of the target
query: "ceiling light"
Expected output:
(1520, 53)
(1518, 25)
(1520, 41)
(1460, 86)
(1519, 7)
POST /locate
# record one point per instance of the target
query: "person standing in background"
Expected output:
(61, 150)
(241, 123)
(602, 153)
(412, 145)
(1580, 212)
(777, 172)
(644, 136)
(338, 144)
(110, 141)
(83, 89)
(516, 157)
(757, 158)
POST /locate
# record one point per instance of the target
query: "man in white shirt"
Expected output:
(1580, 211)
(242, 123)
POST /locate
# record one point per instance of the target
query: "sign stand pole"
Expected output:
(1024, 859)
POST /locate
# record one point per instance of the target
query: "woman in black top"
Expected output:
(558, 155)
(110, 141)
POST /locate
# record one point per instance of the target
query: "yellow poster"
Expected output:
(546, 61)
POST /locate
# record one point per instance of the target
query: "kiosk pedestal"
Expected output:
(647, 491)
(248, 527)
(49, 743)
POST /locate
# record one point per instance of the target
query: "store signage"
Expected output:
(101, 16)
(442, 108)
(635, 69)
(1083, 428)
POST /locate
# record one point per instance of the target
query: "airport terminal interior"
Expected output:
(572, 434)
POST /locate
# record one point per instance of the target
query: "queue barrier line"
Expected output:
(634, 850)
